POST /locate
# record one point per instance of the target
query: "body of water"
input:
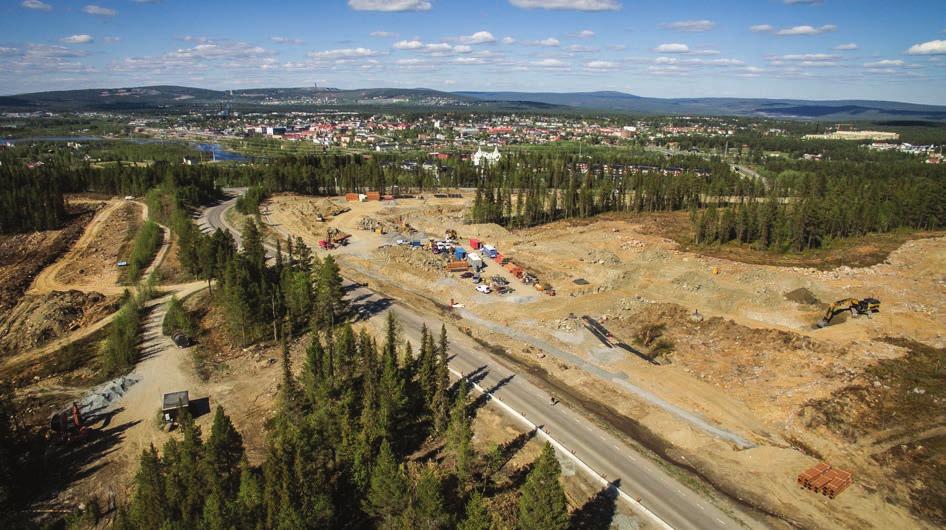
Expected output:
(215, 150)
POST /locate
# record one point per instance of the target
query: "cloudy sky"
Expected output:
(813, 49)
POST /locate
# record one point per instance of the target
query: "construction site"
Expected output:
(796, 396)
(743, 375)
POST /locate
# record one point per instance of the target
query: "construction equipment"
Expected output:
(867, 306)
(68, 424)
(335, 237)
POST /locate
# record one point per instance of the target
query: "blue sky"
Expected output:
(828, 49)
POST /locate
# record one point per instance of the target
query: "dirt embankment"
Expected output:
(23, 256)
(91, 264)
(38, 319)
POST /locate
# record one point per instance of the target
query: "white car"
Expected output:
(484, 289)
(402, 241)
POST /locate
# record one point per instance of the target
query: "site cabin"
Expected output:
(475, 261)
(490, 251)
(173, 404)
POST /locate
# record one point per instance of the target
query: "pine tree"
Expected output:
(542, 505)
(388, 491)
(329, 294)
(149, 505)
(477, 517)
(224, 452)
(427, 509)
(460, 432)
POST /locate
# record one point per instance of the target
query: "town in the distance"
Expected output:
(525, 297)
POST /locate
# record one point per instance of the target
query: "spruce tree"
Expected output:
(476, 517)
(224, 452)
(388, 490)
(542, 504)
(149, 505)
(460, 433)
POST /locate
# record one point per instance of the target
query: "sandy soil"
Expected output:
(749, 366)
(90, 265)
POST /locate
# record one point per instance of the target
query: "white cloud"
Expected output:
(438, 47)
(672, 48)
(578, 48)
(762, 28)
(806, 30)
(617, 47)
(509, 40)
(37, 5)
(286, 40)
(469, 60)
(572, 5)
(884, 63)
(100, 11)
(933, 47)
(480, 37)
(551, 41)
(389, 5)
(601, 65)
(850, 46)
(111, 40)
(549, 63)
(583, 34)
(77, 39)
(462, 48)
(408, 44)
(8, 52)
(807, 57)
(803, 2)
(383, 34)
(343, 53)
(690, 25)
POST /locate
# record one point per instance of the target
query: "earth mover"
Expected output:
(866, 306)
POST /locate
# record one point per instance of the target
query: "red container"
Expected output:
(351, 197)
(474, 244)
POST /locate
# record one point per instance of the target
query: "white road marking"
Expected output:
(721, 521)
(700, 506)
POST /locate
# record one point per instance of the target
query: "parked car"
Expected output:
(402, 242)
(484, 289)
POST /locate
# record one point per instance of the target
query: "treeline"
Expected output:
(796, 205)
(527, 191)
(120, 349)
(30, 199)
(248, 203)
(338, 452)
(143, 249)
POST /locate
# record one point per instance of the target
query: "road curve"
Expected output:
(662, 499)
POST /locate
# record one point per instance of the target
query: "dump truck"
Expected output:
(172, 406)
(867, 306)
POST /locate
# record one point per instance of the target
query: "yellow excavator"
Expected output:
(867, 306)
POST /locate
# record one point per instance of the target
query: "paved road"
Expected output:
(663, 499)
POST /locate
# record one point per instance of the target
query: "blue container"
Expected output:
(459, 253)
(415, 243)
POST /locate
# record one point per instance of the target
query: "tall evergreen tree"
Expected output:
(542, 505)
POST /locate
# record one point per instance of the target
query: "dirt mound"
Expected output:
(313, 207)
(418, 259)
(23, 256)
(802, 296)
(38, 319)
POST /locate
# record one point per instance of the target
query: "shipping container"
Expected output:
(373, 196)
(474, 244)
(459, 253)
(352, 197)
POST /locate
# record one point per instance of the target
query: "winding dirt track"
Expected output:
(46, 281)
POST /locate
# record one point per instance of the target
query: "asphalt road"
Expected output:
(662, 499)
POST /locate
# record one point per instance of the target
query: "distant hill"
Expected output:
(780, 108)
(184, 98)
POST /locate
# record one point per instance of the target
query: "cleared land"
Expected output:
(750, 362)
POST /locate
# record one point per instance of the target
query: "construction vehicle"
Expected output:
(68, 424)
(336, 238)
(867, 306)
